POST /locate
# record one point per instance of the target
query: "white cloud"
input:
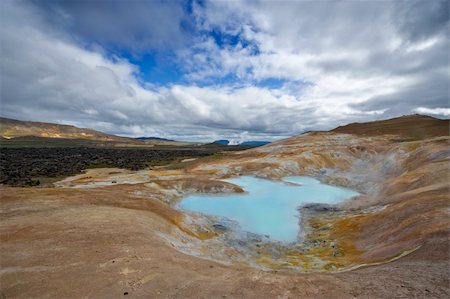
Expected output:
(352, 52)
(349, 65)
(433, 111)
(91, 111)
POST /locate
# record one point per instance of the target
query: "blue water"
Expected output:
(269, 207)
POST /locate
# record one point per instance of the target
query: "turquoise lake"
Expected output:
(268, 207)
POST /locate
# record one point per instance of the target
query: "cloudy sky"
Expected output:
(201, 70)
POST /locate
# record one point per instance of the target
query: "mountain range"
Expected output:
(249, 143)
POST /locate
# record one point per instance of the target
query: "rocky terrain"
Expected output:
(32, 153)
(28, 166)
(113, 232)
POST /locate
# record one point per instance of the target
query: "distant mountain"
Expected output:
(222, 142)
(49, 134)
(11, 128)
(153, 138)
(254, 143)
(249, 143)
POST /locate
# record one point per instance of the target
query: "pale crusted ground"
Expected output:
(106, 239)
(101, 244)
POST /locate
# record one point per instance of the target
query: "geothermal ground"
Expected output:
(113, 232)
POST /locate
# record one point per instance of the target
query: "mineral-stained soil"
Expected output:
(103, 243)
(112, 233)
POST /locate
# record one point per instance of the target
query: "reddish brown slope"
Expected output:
(411, 126)
(10, 128)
